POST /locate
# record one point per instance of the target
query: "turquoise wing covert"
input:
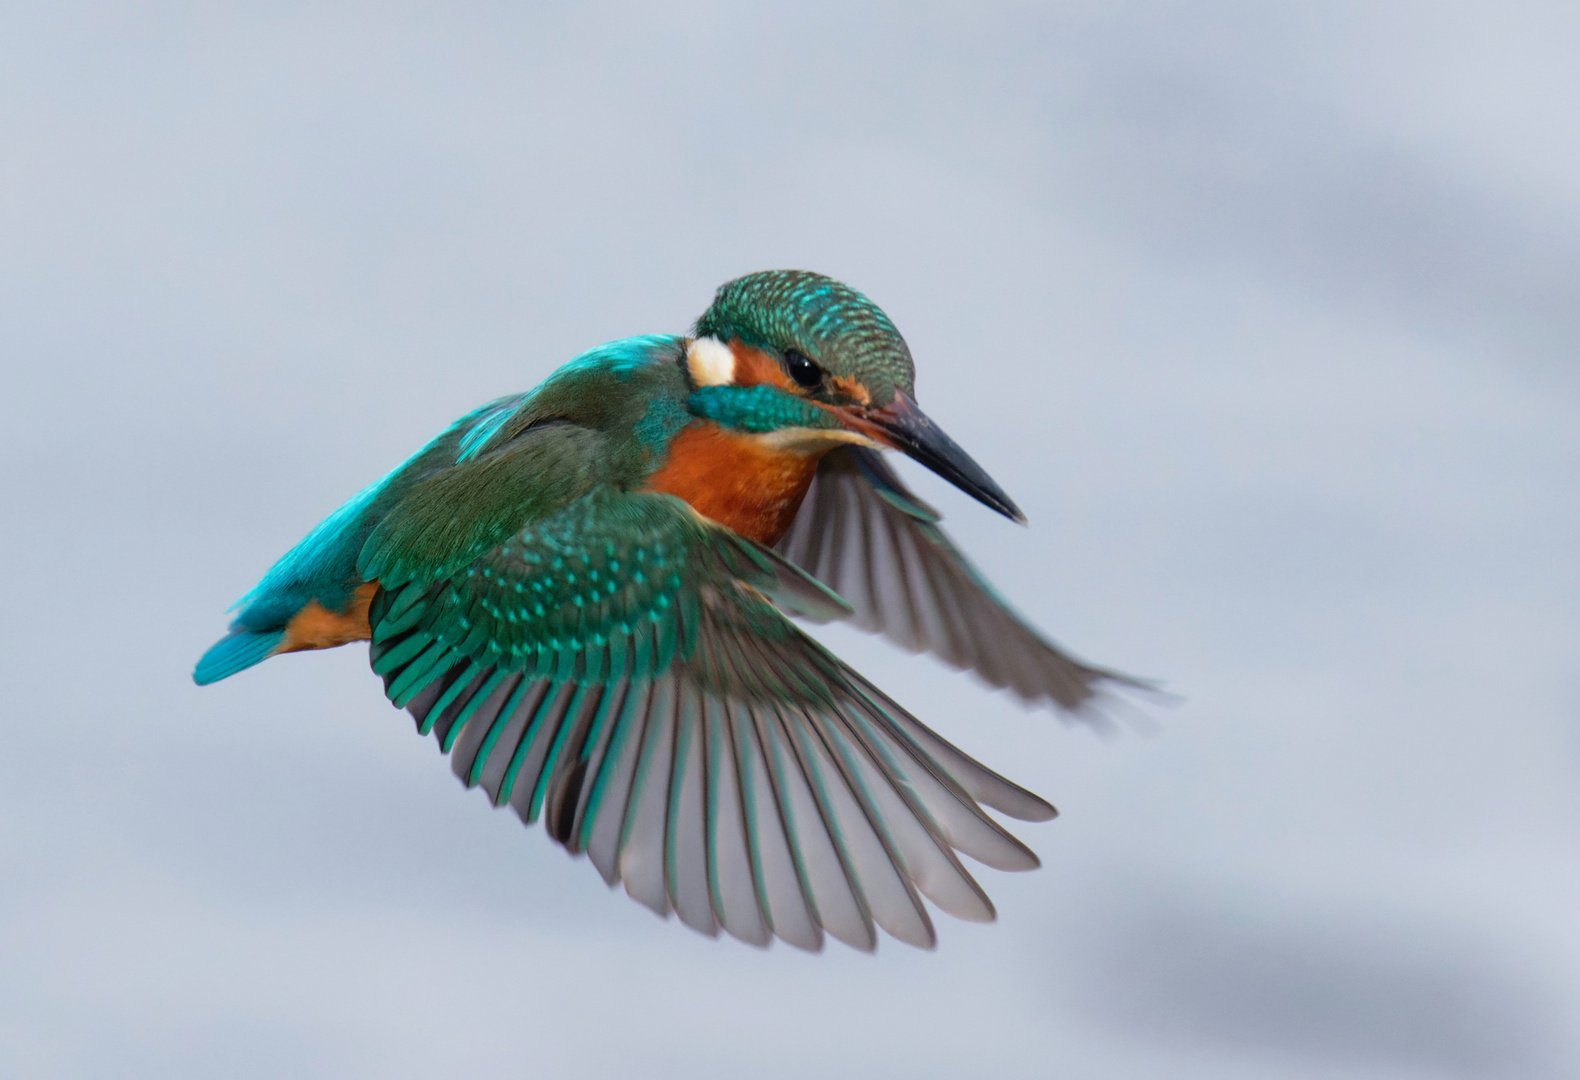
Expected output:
(619, 668)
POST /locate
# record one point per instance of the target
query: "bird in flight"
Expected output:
(582, 592)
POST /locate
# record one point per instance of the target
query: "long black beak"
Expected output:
(907, 429)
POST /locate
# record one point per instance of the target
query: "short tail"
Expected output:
(237, 652)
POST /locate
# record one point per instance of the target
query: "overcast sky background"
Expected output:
(1267, 315)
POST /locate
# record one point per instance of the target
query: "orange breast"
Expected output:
(730, 477)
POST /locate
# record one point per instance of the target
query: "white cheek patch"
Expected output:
(710, 362)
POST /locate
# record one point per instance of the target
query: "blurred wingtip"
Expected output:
(1111, 708)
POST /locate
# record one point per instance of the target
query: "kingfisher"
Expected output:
(585, 593)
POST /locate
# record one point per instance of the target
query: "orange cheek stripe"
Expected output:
(753, 367)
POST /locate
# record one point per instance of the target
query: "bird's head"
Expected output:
(809, 362)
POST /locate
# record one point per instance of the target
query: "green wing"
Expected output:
(618, 668)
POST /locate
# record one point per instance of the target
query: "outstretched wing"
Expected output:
(617, 669)
(863, 533)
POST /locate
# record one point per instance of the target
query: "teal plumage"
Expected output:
(757, 409)
(324, 565)
(546, 598)
(828, 321)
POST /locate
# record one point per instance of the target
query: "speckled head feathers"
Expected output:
(831, 323)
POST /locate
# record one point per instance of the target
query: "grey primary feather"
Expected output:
(861, 532)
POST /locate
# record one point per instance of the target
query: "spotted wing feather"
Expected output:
(618, 670)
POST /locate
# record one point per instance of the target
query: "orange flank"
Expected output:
(734, 479)
(316, 627)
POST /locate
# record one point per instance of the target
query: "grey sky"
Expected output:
(1266, 315)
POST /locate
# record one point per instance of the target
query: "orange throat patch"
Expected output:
(733, 478)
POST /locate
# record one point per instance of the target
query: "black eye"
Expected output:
(802, 370)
